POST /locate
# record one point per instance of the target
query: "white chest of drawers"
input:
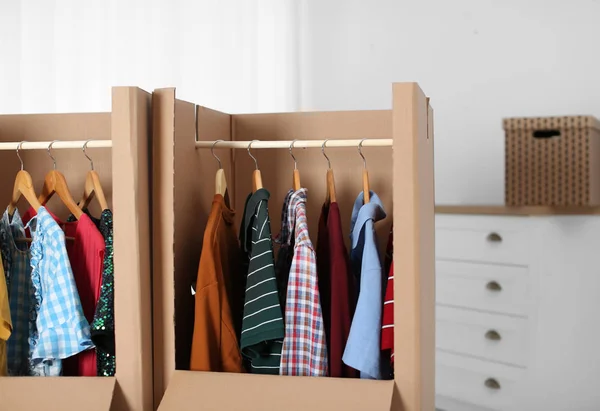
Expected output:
(518, 311)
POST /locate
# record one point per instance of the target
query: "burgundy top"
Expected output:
(336, 285)
(86, 254)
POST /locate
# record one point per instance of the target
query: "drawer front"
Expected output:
(448, 404)
(494, 288)
(488, 336)
(477, 382)
(494, 244)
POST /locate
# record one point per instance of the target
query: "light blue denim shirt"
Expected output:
(363, 347)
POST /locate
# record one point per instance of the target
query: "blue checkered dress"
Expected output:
(17, 268)
(61, 328)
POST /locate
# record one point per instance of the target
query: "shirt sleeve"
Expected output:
(364, 343)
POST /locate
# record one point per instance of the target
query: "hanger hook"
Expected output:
(361, 154)
(292, 154)
(18, 155)
(250, 154)
(212, 151)
(323, 152)
(49, 149)
(86, 154)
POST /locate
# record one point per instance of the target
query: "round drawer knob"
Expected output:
(492, 384)
(493, 335)
(494, 238)
(493, 286)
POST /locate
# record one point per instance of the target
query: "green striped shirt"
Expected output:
(262, 326)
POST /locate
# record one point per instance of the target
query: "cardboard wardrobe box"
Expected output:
(124, 174)
(552, 161)
(183, 189)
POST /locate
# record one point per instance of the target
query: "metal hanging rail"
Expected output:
(256, 144)
(43, 145)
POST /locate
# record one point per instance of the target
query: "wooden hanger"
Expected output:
(296, 175)
(256, 176)
(365, 175)
(92, 188)
(23, 187)
(220, 180)
(55, 182)
(330, 196)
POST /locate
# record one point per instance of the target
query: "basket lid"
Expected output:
(547, 123)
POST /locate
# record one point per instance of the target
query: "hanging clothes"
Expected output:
(61, 329)
(5, 322)
(16, 259)
(262, 326)
(283, 264)
(337, 288)
(304, 350)
(324, 271)
(363, 347)
(86, 256)
(216, 323)
(103, 325)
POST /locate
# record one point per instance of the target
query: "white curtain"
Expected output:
(64, 55)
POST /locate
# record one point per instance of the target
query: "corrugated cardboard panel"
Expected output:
(222, 391)
(64, 393)
(409, 180)
(130, 127)
(163, 310)
(414, 250)
(56, 393)
(124, 176)
(183, 187)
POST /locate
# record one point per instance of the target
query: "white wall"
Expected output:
(478, 60)
(64, 55)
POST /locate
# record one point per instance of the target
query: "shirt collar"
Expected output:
(297, 198)
(227, 213)
(252, 203)
(43, 220)
(361, 213)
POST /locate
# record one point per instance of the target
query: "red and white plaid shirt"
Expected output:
(304, 347)
(387, 326)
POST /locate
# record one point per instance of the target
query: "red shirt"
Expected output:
(336, 285)
(86, 254)
(387, 329)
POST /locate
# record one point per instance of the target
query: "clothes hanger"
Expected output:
(330, 196)
(23, 187)
(55, 182)
(365, 175)
(256, 176)
(296, 177)
(220, 180)
(92, 188)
